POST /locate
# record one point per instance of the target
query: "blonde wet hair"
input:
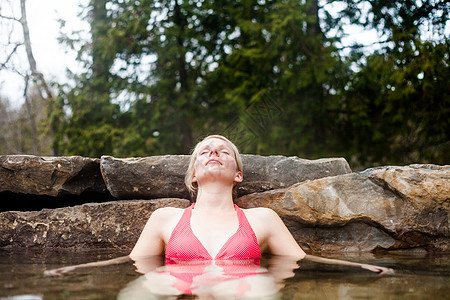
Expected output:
(192, 186)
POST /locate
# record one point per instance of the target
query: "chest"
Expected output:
(213, 231)
(216, 227)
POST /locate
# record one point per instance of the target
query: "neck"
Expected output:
(215, 197)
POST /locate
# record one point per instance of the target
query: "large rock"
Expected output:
(52, 176)
(163, 176)
(380, 208)
(101, 225)
(145, 178)
(262, 173)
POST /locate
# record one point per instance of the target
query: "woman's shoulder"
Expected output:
(259, 213)
(168, 210)
(258, 210)
(167, 213)
(264, 221)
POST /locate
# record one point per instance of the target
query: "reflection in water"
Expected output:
(210, 279)
(418, 276)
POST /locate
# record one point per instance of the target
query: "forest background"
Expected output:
(270, 75)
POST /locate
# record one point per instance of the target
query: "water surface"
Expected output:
(418, 276)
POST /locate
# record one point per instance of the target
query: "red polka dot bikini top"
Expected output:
(184, 245)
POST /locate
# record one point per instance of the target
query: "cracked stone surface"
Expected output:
(52, 176)
(163, 176)
(116, 224)
(380, 208)
(325, 206)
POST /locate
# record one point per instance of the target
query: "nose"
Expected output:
(215, 152)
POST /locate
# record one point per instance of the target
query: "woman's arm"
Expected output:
(376, 269)
(143, 264)
(151, 241)
(275, 236)
(281, 242)
(114, 261)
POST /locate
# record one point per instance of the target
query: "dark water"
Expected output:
(418, 276)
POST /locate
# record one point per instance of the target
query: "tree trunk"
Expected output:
(181, 53)
(31, 117)
(315, 92)
(38, 78)
(313, 11)
(185, 122)
(101, 63)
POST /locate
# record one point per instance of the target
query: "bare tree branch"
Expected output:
(9, 18)
(3, 65)
(359, 46)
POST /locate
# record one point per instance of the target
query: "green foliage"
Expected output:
(399, 106)
(161, 74)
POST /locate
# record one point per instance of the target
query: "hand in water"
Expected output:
(58, 272)
(377, 269)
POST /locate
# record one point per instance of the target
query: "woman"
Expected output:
(214, 169)
(214, 228)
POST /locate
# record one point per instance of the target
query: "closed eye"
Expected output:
(204, 152)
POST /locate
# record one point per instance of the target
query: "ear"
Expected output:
(238, 177)
(194, 179)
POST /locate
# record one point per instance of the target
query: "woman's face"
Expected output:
(215, 160)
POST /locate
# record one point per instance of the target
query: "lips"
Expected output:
(213, 161)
